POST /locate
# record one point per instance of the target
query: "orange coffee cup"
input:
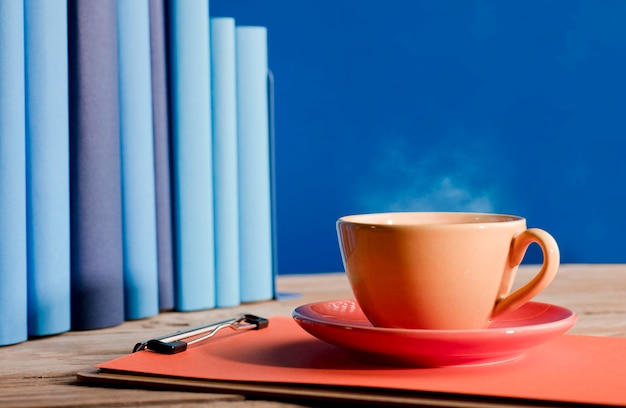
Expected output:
(440, 270)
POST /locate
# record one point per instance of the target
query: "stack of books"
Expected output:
(135, 163)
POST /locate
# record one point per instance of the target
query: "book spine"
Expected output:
(271, 88)
(13, 290)
(160, 120)
(192, 154)
(47, 167)
(97, 292)
(141, 291)
(255, 222)
(224, 78)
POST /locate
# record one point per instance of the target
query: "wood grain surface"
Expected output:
(42, 372)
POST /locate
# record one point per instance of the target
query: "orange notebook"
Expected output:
(285, 361)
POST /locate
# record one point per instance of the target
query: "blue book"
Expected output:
(141, 284)
(160, 120)
(13, 292)
(255, 190)
(224, 80)
(47, 167)
(192, 156)
(97, 283)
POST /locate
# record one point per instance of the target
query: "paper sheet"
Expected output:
(579, 369)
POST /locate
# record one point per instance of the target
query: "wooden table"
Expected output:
(42, 372)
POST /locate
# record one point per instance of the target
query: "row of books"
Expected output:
(135, 163)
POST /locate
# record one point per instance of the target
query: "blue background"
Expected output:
(501, 106)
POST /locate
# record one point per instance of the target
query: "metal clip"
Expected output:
(173, 343)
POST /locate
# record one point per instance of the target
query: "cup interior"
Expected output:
(428, 218)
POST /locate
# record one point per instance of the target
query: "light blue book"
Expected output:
(13, 292)
(47, 167)
(226, 201)
(141, 284)
(192, 154)
(255, 201)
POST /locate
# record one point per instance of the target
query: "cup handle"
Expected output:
(551, 260)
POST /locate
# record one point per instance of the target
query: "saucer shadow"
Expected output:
(308, 354)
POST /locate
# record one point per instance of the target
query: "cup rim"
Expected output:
(414, 219)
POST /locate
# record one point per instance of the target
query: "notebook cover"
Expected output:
(255, 189)
(141, 284)
(189, 41)
(568, 369)
(97, 291)
(47, 167)
(226, 203)
(13, 314)
(160, 120)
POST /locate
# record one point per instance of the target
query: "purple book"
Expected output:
(160, 120)
(97, 292)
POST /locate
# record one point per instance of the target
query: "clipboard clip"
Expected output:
(173, 343)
